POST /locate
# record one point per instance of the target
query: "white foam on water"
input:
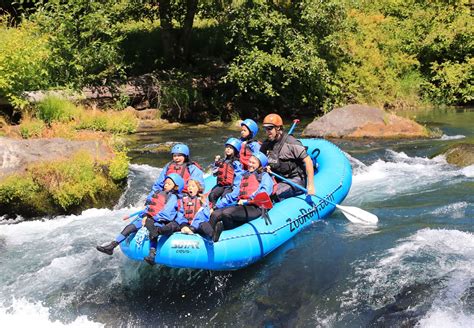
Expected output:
(400, 174)
(440, 262)
(440, 318)
(455, 211)
(456, 137)
(468, 171)
(25, 314)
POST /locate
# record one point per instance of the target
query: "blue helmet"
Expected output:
(234, 142)
(252, 126)
(180, 149)
(177, 179)
(261, 157)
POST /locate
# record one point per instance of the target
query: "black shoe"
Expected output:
(217, 231)
(150, 259)
(107, 249)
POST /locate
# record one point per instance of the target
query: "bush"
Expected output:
(123, 122)
(52, 109)
(24, 56)
(30, 127)
(118, 168)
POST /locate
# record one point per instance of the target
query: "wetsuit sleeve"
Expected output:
(266, 185)
(196, 174)
(238, 171)
(169, 212)
(202, 215)
(159, 183)
(254, 146)
(297, 150)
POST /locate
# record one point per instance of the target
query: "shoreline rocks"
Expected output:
(361, 121)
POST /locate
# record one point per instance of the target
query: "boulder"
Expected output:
(16, 154)
(461, 155)
(359, 121)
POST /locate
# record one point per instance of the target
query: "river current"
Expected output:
(415, 268)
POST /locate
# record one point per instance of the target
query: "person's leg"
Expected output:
(205, 229)
(285, 190)
(165, 230)
(216, 216)
(237, 215)
(215, 194)
(128, 230)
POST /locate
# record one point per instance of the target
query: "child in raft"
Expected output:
(181, 164)
(193, 212)
(159, 216)
(235, 208)
(228, 170)
(250, 145)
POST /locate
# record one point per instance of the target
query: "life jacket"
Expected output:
(182, 170)
(250, 183)
(225, 172)
(245, 153)
(288, 168)
(191, 207)
(157, 203)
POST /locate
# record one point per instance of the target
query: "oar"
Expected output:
(353, 214)
(133, 215)
(295, 121)
(261, 200)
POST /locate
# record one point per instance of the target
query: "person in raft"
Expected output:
(180, 164)
(286, 157)
(193, 212)
(228, 170)
(162, 209)
(234, 209)
(162, 213)
(250, 145)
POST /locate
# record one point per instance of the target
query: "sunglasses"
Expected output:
(269, 128)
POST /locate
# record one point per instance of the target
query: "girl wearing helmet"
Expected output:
(228, 170)
(180, 164)
(193, 211)
(248, 132)
(233, 209)
(158, 216)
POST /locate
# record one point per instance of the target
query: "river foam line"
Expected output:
(26, 314)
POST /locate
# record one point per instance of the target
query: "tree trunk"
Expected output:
(185, 35)
(167, 40)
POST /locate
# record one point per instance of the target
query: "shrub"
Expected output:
(30, 127)
(53, 108)
(115, 122)
(23, 61)
(118, 168)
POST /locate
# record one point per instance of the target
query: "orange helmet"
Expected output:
(273, 119)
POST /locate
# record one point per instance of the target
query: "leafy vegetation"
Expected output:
(276, 55)
(62, 186)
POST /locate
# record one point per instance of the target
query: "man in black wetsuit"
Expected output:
(288, 158)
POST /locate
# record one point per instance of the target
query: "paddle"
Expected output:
(295, 121)
(353, 214)
(261, 200)
(132, 215)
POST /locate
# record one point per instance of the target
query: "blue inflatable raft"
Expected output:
(244, 245)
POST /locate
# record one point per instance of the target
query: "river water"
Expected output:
(415, 268)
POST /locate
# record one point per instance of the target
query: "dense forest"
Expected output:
(218, 59)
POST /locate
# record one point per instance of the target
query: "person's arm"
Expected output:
(202, 215)
(254, 146)
(180, 219)
(238, 171)
(309, 175)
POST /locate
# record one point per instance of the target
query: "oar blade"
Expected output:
(358, 215)
(262, 200)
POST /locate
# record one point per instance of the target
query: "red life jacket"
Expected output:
(158, 201)
(225, 173)
(245, 153)
(250, 183)
(182, 170)
(191, 207)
